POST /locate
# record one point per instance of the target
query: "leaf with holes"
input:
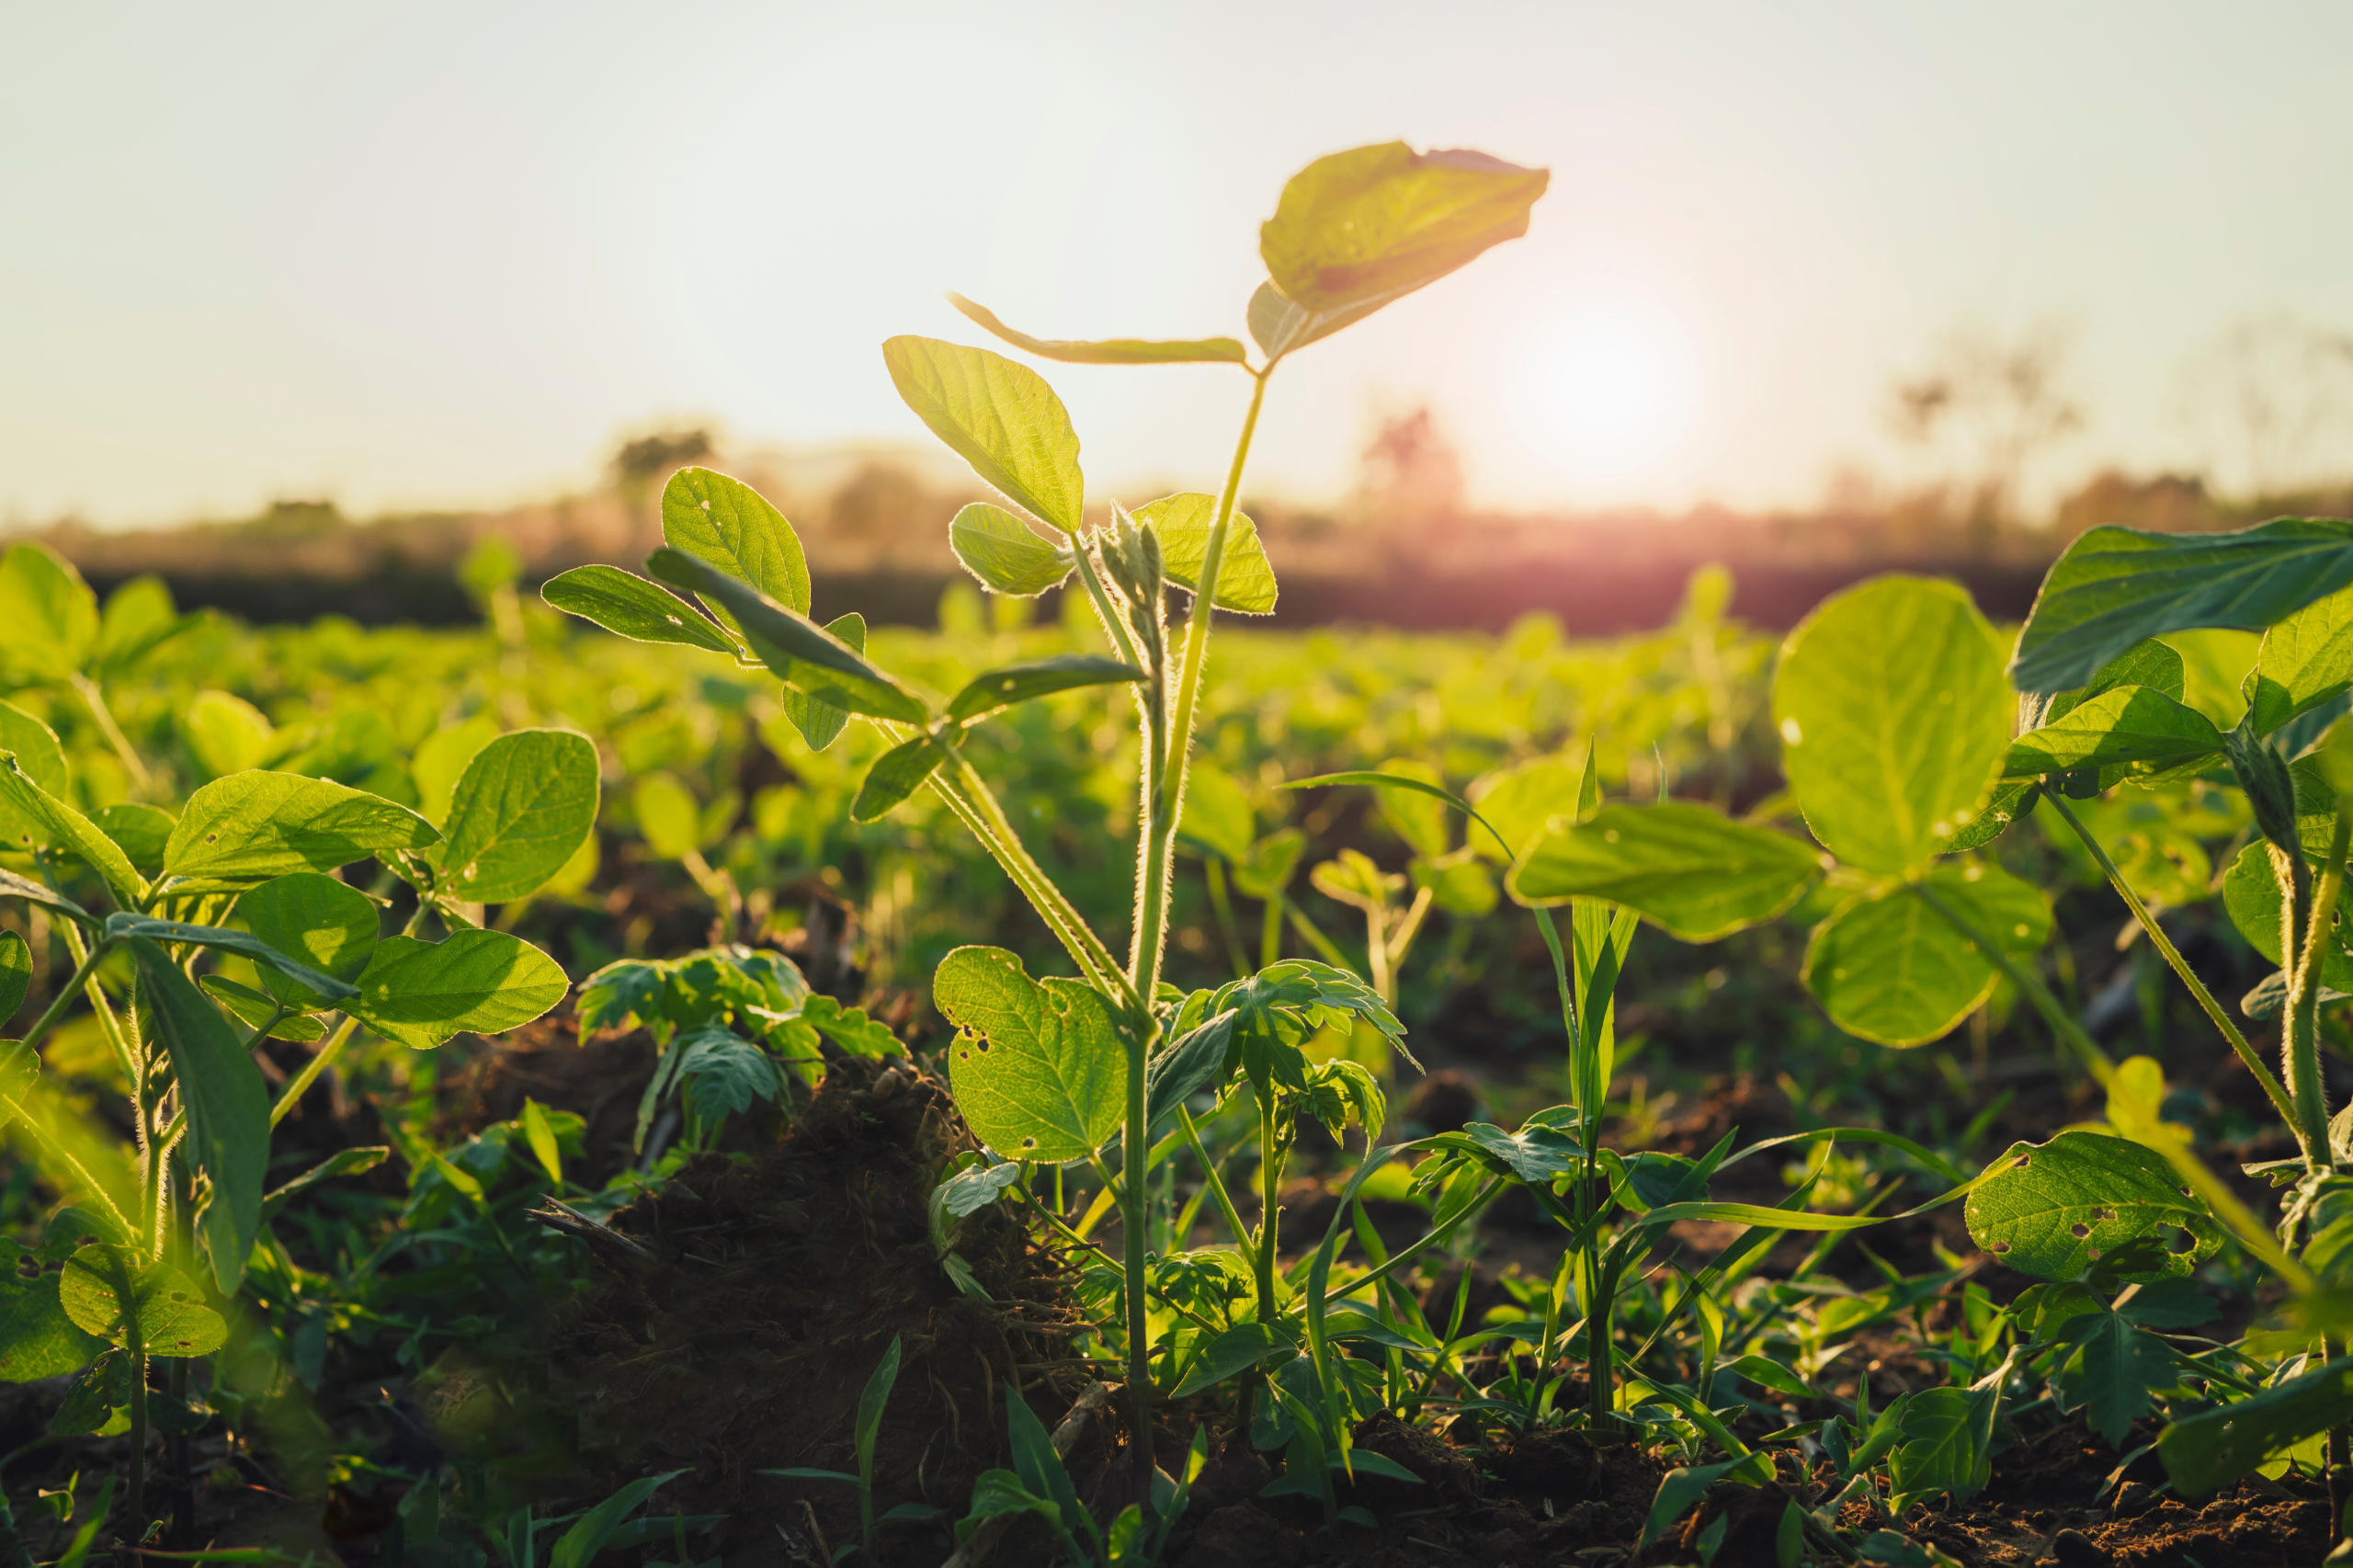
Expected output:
(1038, 1067)
(111, 1293)
(2048, 1210)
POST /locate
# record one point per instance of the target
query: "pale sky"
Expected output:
(443, 254)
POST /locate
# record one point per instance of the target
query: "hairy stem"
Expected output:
(2247, 1053)
(1270, 1177)
(2303, 1047)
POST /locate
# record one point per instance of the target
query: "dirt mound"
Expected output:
(778, 1282)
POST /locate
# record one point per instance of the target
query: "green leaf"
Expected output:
(139, 618)
(241, 831)
(126, 925)
(419, 994)
(795, 648)
(254, 1008)
(1678, 1489)
(896, 773)
(227, 733)
(998, 415)
(2116, 587)
(227, 1105)
(2304, 661)
(1236, 1349)
(1001, 689)
(731, 525)
(312, 916)
(1111, 350)
(1006, 553)
(49, 617)
(61, 827)
(1948, 1443)
(110, 1292)
(578, 1546)
(140, 831)
(525, 806)
(1688, 870)
(1517, 802)
(2151, 663)
(15, 886)
(2251, 894)
(2046, 1209)
(626, 604)
(37, 1339)
(36, 746)
(1196, 1062)
(15, 973)
(2216, 1447)
(1038, 1067)
(721, 1074)
(1888, 968)
(540, 1138)
(667, 818)
(1271, 863)
(2129, 724)
(1359, 228)
(821, 722)
(1537, 1153)
(342, 1162)
(2005, 806)
(1458, 882)
(1889, 756)
(2113, 1369)
(1246, 578)
(1218, 816)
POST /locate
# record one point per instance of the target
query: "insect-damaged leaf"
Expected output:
(419, 994)
(1006, 553)
(1359, 228)
(1890, 969)
(1001, 689)
(626, 604)
(2116, 587)
(998, 415)
(2047, 1210)
(795, 648)
(821, 724)
(1891, 756)
(522, 808)
(1691, 870)
(37, 1339)
(243, 830)
(1110, 350)
(108, 1292)
(731, 525)
(1246, 578)
(2128, 725)
(228, 1106)
(896, 773)
(1038, 1067)
(310, 916)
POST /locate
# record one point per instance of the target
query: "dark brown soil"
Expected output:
(778, 1282)
(599, 1079)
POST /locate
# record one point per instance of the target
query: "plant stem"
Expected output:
(2247, 1053)
(82, 973)
(1221, 905)
(95, 702)
(1270, 931)
(1270, 1177)
(2302, 1033)
(320, 1061)
(1216, 1181)
(1135, 1268)
(1197, 642)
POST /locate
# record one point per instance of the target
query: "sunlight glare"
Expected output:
(1608, 391)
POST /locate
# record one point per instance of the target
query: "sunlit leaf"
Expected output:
(1109, 351)
(998, 415)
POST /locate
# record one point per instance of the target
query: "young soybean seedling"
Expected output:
(1052, 1070)
(870, 1405)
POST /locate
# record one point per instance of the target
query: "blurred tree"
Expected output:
(1409, 476)
(642, 461)
(2275, 394)
(1989, 408)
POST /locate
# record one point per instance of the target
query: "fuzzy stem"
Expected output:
(2303, 1047)
(1270, 1177)
(2247, 1053)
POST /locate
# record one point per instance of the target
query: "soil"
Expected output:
(776, 1285)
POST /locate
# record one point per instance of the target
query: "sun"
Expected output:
(1607, 391)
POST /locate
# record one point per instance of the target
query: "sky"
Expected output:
(446, 254)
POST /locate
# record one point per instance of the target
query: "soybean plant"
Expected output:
(1050, 1071)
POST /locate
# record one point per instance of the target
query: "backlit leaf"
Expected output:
(1246, 578)
(2048, 1208)
(1890, 969)
(795, 648)
(241, 831)
(896, 773)
(112, 1293)
(821, 724)
(998, 415)
(1691, 870)
(227, 1104)
(1038, 1067)
(49, 617)
(2131, 724)
(1109, 351)
(522, 808)
(1007, 555)
(2116, 587)
(2215, 1448)
(626, 604)
(227, 733)
(59, 826)
(1001, 689)
(729, 524)
(312, 916)
(419, 994)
